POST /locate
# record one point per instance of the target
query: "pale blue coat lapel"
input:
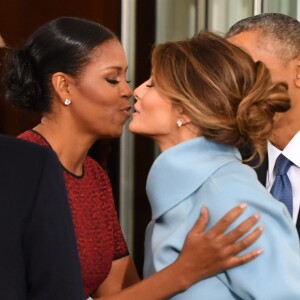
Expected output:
(167, 189)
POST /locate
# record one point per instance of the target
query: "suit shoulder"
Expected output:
(13, 146)
(20, 153)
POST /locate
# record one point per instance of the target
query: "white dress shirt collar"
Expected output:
(292, 152)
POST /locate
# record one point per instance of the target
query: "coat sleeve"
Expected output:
(275, 274)
(52, 263)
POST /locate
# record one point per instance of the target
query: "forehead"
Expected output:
(264, 51)
(252, 42)
(111, 54)
(249, 41)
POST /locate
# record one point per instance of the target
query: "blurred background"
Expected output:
(139, 24)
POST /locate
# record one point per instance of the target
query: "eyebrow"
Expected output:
(118, 68)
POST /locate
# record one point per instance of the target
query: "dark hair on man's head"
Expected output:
(274, 28)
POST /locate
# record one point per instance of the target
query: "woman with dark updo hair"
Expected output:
(73, 72)
(38, 253)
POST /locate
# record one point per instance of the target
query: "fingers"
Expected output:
(229, 253)
(227, 220)
(242, 229)
(217, 251)
(240, 260)
(228, 245)
(202, 220)
(246, 242)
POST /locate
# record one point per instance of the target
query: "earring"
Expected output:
(179, 123)
(67, 102)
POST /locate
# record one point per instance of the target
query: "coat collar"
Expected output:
(182, 169)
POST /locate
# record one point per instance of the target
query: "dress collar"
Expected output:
(182, 169)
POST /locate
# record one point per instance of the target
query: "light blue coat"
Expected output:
(199, 172)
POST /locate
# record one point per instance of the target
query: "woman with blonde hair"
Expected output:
(204, 100)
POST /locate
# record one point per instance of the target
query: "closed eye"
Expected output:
(112, 80)
(150, 85)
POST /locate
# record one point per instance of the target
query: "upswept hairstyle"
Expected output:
(276, 28)
(64, 45)
(228, 96)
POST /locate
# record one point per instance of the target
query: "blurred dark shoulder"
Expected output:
(260, 168)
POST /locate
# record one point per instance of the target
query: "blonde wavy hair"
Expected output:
(228, 96)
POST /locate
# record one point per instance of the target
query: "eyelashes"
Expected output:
(112, 80)
(150, 85)
(115, 81)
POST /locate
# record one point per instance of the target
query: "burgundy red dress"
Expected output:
(99, 236)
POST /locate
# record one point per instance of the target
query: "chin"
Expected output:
(112, 135)
(118, 134)
(131, 128)
(136, 129)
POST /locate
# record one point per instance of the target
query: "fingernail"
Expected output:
(259, 251)
(256, 216)
(203, 208)
(243, 205)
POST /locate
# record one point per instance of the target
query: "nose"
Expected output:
(127, 91)
(137, 93)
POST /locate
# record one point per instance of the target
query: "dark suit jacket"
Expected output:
(38, 255)
(262, 176)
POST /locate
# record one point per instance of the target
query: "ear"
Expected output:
(182, 116)
(185, 118)
(61, 83)
(297, 79)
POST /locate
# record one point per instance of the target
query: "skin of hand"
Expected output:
(204, 254)
(218, 250)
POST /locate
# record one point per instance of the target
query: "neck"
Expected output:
(283, 133)
(184, 134)
(286, 126)
(70, 147)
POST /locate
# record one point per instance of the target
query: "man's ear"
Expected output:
(297, 79)
(61, 83)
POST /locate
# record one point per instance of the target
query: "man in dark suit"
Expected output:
(38, 255)
(275, 39)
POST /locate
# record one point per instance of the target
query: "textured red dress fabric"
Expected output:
(99, 236)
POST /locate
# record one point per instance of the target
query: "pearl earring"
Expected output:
(179, 123)
(67, 102)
